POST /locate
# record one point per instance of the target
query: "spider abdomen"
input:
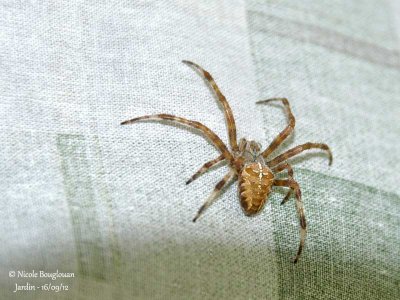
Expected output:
(255, 182)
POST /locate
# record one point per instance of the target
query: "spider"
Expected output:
(253, 168)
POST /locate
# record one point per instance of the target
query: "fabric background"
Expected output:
(82, 194)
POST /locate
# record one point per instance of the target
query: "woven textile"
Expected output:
(109, 203)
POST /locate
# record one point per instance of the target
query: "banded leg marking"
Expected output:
(297, 150)
(218, 143)
(205, 167)
(284, 133)
(289, 169)
(230, 120)
(215, 193)
(300, 211)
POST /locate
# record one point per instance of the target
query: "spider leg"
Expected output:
(227, 109)
(218, 143)
(289, 169)
(297, 150)
(284, 133)
(300, 211)
(215, 193)
(283, 167)
(205, 167)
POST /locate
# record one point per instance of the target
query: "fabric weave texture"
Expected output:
(82, 194)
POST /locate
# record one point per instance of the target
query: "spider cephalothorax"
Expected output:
(252, 167)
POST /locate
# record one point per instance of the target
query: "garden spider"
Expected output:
(251, 166)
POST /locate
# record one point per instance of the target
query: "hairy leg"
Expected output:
(227, 109)
(297, 150)
(215, 193)
(218, 143)
(284, 133)
(300, 211)
(289, 169)
(205, 167)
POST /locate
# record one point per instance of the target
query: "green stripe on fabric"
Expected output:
(81, 200)
(353, 245)
(104, 194)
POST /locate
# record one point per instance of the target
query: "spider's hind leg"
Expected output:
(290, 183)
(289, 169)
(205, 167)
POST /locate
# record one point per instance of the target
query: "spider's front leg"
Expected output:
(290, 183)
(285, 132)
(230, 120)
(297, 150)
(217, 142)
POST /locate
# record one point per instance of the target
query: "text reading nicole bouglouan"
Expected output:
(54, 283)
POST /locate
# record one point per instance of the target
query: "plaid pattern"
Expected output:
(83, 194)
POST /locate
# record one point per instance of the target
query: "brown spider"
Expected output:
(255, 172)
